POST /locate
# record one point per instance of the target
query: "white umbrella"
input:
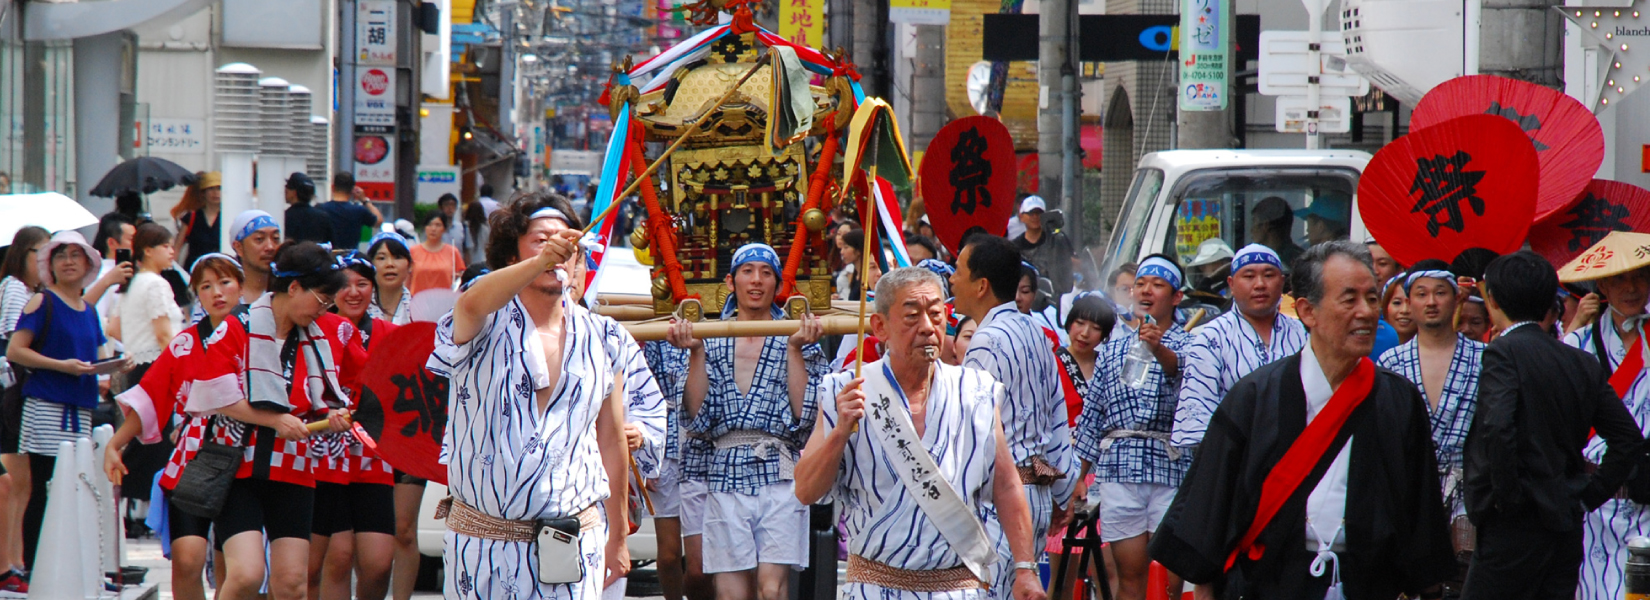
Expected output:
(50, 210)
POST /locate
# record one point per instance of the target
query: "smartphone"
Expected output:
(123, 255)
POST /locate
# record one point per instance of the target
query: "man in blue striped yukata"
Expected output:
(914, 454)
(1012, 349)
(1123, 438)
(751, 397)
(537, 421)
(1444, 366)
(1236, 343)
(1615, 337)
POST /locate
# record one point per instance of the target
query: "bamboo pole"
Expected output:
(691, 130)
(870, 235)
(656, 330)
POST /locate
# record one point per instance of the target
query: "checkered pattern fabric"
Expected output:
(1149, 408)
(189, 442)
(1452, 419)
(765, 408)
(669, 365)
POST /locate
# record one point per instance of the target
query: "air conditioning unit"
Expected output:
(1405, 47)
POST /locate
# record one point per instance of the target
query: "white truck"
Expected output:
(1180, 198)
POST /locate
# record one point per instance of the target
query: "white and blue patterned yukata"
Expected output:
(1221, 353)
(644, 401)
(403, 309)
(1150, 408)
(764, 408)
(1457, 402)
(1013, 350)
(511, 462)
(881, 519)
(1605, 530)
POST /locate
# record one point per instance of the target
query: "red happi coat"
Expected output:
(221, 378)
(159, 397)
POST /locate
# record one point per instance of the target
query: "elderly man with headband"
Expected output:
(1233, 345)
(1124, 439)
(753, 398)
(1444, 366)
(537, 467)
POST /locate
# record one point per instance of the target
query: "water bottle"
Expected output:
(1137, 364)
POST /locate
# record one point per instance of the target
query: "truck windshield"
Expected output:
(1287, 209)
(1137, 207)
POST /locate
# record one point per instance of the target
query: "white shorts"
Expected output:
(1130, 509)
(693, 496)
(666, 491)
(741, 531)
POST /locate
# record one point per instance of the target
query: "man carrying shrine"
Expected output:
(537, 420)
(1237, 342)
(1316, 477)
(750, 396)
(914, 453)
(1123, 435)
(1616, 338)
(1012, 349)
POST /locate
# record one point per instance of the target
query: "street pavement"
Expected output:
(146, 553)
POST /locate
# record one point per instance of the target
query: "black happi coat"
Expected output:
(1397, 530)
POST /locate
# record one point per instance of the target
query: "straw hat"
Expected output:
(1619, 252)
(209, 180)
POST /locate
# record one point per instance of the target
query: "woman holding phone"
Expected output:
(158, 397)
(58, 338)
(354, 528)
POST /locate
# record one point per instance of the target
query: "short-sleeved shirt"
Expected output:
(72, 334)
(307, 223)
(347, 220)
(434, 270)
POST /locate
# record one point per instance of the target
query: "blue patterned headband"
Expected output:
(391, 236)
(355, 257)
(1255, 254)
(1160, 268)
(938, 267)
(1387, 287)
(755, 252)
(1435, 274)
(321, 268)
(251, 221)
(221, 255)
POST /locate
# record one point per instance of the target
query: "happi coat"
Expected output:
(1397, 536)
(1149, 409)
(1605, 530)
(508, 460)
(1221, 353)
(881, 519)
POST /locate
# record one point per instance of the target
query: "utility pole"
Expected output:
(344, 128)
(1053, 38)
(928, 108)
(1205, 126)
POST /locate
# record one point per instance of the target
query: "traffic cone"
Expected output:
(65, 567)
(94, 517)
(108, 505)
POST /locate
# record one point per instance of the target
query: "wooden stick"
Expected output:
(870, 234)
(321, 426)
(641, 484)
(692, 129)
(656, 330)
(616, 299)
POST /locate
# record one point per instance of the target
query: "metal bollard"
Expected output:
(1638, 568)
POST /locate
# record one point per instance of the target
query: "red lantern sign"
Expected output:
(968, 178)
(1605, 206)
(1467, 182)
(1568, 142)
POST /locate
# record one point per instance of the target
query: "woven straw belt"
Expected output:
(463, 519)
(1039, 472)
(865, 570)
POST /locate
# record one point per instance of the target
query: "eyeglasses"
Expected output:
(325, 302)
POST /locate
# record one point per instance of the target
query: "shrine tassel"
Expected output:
(816, 193)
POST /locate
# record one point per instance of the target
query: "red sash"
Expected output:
(1074, 400)
(1626, 373)
(1303, 455)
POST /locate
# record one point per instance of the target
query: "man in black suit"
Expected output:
(1527, 485)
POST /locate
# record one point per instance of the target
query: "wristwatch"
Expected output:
(1025, 565)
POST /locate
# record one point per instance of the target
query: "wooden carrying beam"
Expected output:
(656, 330)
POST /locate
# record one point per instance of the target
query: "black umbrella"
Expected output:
(142, 175)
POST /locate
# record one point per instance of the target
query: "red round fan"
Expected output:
(968, 178)
(1605, 206)
(403, 405)
(1568, 141)
(1467, 182)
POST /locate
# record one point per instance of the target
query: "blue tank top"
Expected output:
(72, 334)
